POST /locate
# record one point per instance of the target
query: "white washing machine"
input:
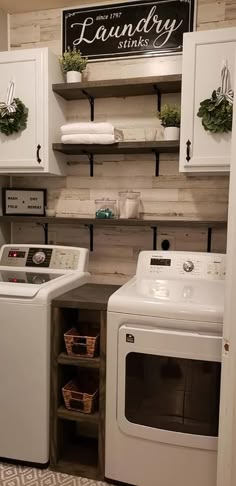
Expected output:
(30, 277)
(164, 337)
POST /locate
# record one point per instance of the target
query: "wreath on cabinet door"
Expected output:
(217, 112)
(13, 113)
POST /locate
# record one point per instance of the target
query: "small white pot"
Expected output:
(73, 77)
(171, 133)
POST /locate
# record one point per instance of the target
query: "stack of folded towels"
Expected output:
(90, 133)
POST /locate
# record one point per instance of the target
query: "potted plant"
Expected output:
(73, 64)
(170, 120)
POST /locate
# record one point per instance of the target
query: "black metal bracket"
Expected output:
(45, 229)
(209, 239)
(91, 102)
(154, 237)
(91, 161)
(90, 227)
(158, 93)
(157, 155)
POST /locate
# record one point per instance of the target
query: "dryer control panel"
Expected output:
(176, 264)
(52, 257)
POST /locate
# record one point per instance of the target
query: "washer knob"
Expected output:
(39, 257)
(188, 266)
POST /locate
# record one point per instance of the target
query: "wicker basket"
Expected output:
(76, 399)
(81, 345)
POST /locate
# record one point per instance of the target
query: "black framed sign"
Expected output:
(24, 202)
(128, 29)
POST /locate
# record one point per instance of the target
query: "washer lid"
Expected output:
(198, 300)
(23, 284)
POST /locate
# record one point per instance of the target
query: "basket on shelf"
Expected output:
(81, 345)
(77, 399)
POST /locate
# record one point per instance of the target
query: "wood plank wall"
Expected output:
(172, 194)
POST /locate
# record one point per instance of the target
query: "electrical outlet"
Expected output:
(52, 237)
(165, 242)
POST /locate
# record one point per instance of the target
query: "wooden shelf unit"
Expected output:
(152, 85)
(160, 146)
(119, 87)
(77, 440)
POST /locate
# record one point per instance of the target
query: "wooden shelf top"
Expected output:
(88, 296)
(119, 87)
(88, 418)
(163, 221)
(64, 358)
(160, 146)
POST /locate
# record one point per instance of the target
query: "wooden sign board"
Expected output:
(24, 202)
(129, 29)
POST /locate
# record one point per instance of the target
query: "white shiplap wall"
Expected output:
(172, 194)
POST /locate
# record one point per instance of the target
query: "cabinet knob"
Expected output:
(188, 143)
(37, 154)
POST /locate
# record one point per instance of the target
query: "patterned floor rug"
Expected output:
(11, 475)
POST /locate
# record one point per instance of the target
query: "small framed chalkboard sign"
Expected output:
(23, 202)
(128, 29)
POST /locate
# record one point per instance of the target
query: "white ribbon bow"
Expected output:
(224, 92)
(9, 106)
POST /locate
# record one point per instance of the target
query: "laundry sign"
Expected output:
(128, 29)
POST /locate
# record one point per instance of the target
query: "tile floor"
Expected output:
(11, 475)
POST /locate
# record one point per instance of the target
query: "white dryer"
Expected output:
(30, 277)
(164, 338)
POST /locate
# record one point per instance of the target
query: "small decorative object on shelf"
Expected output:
(170, 120)
(129, 204)
(13, 113)
(105, 208)
(78, 344)
(73, 64)
(81, 394)
(217, 112)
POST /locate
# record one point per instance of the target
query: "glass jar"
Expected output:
(105, 208)
(129, 205)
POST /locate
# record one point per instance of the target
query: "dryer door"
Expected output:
(169, 386)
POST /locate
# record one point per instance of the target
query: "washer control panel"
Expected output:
(52, 257)
(176, 264)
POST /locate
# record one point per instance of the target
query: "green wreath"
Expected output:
(14, 122)
(217, 116)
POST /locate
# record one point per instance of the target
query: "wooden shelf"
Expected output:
(92, 296)
(119, 87)
(79, 459)
(163, 221)
(160, 146)
(64, 413)
(64, 358)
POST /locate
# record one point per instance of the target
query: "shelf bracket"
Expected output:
(91, 161)
(45, 229)
(158, 93)
(90, 227)
(157, 155)
(91, 102)
(209, 239)
(154, 237)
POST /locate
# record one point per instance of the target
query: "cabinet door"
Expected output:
(26, 69)
(203, 57)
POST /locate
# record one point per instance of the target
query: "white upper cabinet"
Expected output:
(204, 55)
(30, 151)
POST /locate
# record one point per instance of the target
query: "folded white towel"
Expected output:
(89, 127)
(88, 138)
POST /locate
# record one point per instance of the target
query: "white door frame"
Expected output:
(226, 474)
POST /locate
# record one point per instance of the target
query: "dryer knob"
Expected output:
(188, 266)
(39, 257)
